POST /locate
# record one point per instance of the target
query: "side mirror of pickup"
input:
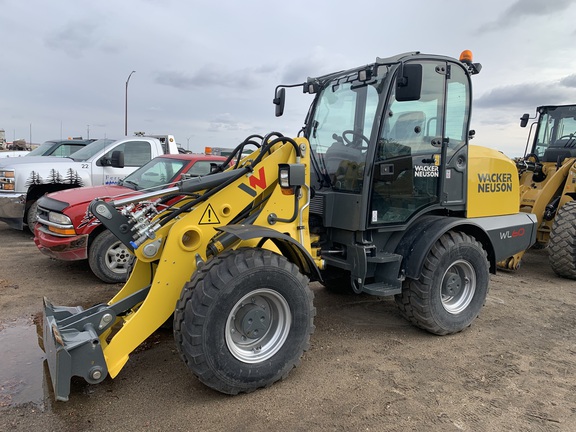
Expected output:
(116, 160)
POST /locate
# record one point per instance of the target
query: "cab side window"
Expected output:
(136, 153)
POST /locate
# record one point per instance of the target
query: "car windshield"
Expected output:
(42, 149)
(91, 149)
(158, 172)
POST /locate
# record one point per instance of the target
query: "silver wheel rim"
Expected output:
(458, 287)
(118, 258)
(258, 325)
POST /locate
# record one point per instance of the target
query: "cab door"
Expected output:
(136, 153)
(415, 137)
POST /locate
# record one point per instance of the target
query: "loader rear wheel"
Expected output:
(452, 288)
(109, 259)
(562, 244)
(244, 320)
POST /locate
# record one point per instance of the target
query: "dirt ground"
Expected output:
(367, 370)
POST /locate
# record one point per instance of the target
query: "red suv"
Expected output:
(66, 230)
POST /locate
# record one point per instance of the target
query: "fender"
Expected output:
(418, 240)
(495, 233)
(289, 247)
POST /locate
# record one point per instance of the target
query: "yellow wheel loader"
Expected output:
(548, 185)
(379, 193)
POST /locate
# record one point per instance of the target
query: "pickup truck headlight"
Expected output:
(60, 224)
(7, 180)
(59, 218)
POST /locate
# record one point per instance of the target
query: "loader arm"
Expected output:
(170, 248)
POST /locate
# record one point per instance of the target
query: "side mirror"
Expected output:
(117, 159)
(409, 82)
(279, 101)
(524, 120)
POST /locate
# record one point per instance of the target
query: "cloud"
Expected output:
(74, 39)
(318, 61)
(530, 94)
(569, 81)
(522, 9)
(212, 75)
(226, 122)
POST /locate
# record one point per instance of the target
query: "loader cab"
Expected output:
(389, 141)
(555, 134)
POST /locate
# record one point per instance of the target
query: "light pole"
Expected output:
(126, 106)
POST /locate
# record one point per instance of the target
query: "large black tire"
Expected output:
(562, 244)
(452, 288)
(109, 259)
(244, 320)
(31, 216)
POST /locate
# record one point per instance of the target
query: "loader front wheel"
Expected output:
(562, 244)
(452, 288)
(244, 320)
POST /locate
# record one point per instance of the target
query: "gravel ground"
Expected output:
(367, 369)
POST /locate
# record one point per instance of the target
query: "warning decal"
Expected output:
(209, 217)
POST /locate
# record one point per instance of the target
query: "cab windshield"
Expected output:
(91, 149)
(556, 128)
(340, 129)
(42, 149)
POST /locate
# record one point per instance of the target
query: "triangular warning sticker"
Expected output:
(209, 217)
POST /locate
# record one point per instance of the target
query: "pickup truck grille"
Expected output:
(42, 214)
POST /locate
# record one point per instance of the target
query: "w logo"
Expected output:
(255, 181)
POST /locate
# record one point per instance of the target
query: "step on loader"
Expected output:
(380, 193)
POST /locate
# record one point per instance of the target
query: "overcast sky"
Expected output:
(206, 70)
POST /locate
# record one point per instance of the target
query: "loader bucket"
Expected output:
(72, 348)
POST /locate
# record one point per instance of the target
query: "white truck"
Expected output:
(103, 162)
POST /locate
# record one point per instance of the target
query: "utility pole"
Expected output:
(126, 106)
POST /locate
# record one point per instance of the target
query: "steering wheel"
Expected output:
(354, 134)
(571, 140)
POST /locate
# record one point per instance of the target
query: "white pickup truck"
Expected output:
(23, 180)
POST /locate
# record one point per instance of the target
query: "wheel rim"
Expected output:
(258, 325)
(458, 286)
(118, 258)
